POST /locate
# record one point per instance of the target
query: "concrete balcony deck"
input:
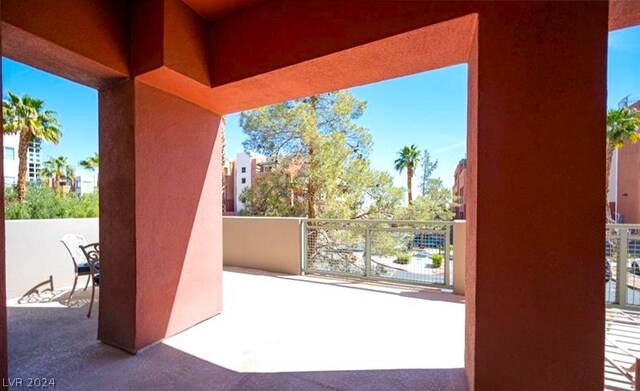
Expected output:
(276, 332)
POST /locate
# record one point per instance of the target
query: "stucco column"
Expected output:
(535, 214)
(4, 371)
(160, 215)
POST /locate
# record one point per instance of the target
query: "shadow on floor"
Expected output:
(45, 294)
(60, 343)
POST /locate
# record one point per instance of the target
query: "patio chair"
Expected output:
(92, 255)
(80, 267)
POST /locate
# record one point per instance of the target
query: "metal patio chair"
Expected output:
(92, 255)
(72, 243)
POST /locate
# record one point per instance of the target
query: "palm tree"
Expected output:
(622, 125)
(70, 176)
(91, 163)
(26, 115)
(56, 168)
(46, 174)
(408, 158)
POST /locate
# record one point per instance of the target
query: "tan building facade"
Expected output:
(459, 175)
(626, 172)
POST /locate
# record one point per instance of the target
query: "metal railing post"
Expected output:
(446, 255)
(367, 251)
(304, 246)
(623, 257)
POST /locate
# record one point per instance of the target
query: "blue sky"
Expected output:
(76, 105)
(427, 109)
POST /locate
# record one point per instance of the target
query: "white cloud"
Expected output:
(451, 147)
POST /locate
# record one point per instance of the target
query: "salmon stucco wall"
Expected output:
(169, 267)
(537, 114)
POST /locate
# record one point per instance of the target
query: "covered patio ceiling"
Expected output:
(622, 13)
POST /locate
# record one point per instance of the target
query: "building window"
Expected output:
(243, 170)
(9, 180)
(9, 153)
(244, 180)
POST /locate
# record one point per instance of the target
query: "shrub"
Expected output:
(379, 271)
(403, 258)
(436, 259)
(44, 203)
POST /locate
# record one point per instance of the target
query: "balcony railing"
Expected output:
(415, 252)
(622, 265)
(357, 248)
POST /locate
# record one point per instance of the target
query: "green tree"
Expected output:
(428, 166)
(56, 168)
(408, 158)
(364, 193)
(28, 117)
(92, 163)
(436, 205)
(622, 126)
(274, 194)
(43, 203)
(223, 160)
(47, 174)
(320, 133)
(70, 176)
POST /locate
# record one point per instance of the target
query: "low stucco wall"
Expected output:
(263, 243)
(34, 252)
(459, 256)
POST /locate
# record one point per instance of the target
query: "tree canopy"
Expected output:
(318, 156)
(321, 160)
(92, 163)
(428, 166)
(28, 117)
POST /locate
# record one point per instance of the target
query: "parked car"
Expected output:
(427, 240)
(635, 267)
(607, 270)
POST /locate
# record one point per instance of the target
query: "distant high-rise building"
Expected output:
(85, 184)
(11, 160)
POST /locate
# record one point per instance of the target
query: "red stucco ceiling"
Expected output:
(622, 13)
(212, 9)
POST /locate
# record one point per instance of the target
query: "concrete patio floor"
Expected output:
(276, 333)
